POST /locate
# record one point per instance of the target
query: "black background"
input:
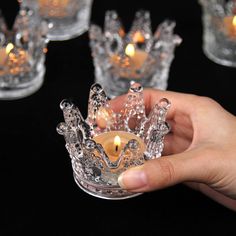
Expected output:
(38, 193)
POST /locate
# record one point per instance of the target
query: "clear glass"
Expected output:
(69, 18)
(97, 158)
(139, 55)
(219, 31)
(22, 55)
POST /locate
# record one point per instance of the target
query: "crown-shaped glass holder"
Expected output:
(219, 31)
(22, 55)
(107, 143)
(139, 55)
(70, 18)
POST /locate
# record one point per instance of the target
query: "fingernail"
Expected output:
(132, 179)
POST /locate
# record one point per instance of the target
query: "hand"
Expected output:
(200, 150)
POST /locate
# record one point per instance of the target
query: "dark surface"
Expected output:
(38, 193)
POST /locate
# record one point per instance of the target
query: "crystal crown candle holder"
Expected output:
(97, 158)
(219, 31)
(70, 18)
(22, 55)
(138, 55)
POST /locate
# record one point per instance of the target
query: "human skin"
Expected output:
(199, 151)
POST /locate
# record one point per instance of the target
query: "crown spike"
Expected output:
(141, 31)
(156, 128)
(97, 99)
(113, 24)
(134, 109)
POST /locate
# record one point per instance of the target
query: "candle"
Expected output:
(4, 56)
(113, 142)
(133, 61)
(4, 53)
(17, 61)
(136, 57)
(229, 23)
(54, 8)
(13, 62)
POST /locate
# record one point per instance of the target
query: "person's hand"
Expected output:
(200, 150)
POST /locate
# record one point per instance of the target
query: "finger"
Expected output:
(118, 103)
(180, 101)
(166, 171)
(174, 144)
(180, 137)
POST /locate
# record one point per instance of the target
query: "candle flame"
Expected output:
(117, 141)
(130, 50)
(234, 21)
(9, 47)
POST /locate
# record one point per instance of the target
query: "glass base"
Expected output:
(64, 30)
(104, 192)
(219, 60)
(24, 90)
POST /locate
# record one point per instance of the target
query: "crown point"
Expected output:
(164, 103)
(136, 87)
(62, 128)
(96, 88)
(66, 104)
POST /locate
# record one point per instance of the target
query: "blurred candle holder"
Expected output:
(106, 143)
(22, 55)
(70, 18)
(219, 31)
(139, 55)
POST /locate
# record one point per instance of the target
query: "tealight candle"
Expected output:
(17, 61)
(113, 142)
(137, 57)
(134, 60)
(230, 25)
(53, 8)
(4, 53)
(12, 62)
(4, 56)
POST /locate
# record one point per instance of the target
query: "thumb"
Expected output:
(167, 171)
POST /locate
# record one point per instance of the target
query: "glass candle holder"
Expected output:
(139, 55)
(106, 143)
(70, 18)
(22, 55)
(219, 31)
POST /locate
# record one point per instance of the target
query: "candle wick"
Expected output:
(116, 148)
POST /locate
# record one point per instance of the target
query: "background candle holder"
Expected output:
(138, 55)
(97, 158)
(22, 55)
(219, 31)
(70, 18)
